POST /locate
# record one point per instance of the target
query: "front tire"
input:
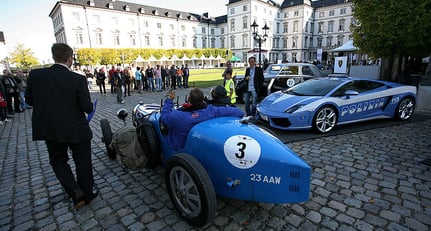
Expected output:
(405, 109)
(325, 119)
(107, 138)
(190, 189)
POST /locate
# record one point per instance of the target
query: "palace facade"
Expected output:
(299, 30)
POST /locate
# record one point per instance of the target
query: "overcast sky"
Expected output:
(28, 21)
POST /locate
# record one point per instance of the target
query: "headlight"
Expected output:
(294, 108)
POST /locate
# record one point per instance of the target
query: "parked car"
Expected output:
(225, 156)
(285, 75)
(323, 103)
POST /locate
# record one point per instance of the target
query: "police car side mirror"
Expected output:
(350, 93)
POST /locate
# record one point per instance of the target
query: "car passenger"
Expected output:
(180, 122)
(219, 97)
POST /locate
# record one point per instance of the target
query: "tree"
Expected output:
(106, 56)
(399, 31)
(23, 57)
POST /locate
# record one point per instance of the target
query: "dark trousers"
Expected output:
(163, 82)
(126, 89)
(186, 81)
(102, 86)
(112, 86)
(145, 84)
(81, 154)
(3, 113)
(16, 102)
(174, 82)
(119, 93)
(179, 83)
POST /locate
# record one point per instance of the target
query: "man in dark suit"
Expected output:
(254, 78)
(60, 99)
(118, 84)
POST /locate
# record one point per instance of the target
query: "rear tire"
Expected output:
(405, 109)
(107, 138)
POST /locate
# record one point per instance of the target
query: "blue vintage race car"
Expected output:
(321, 104)
(224, 156)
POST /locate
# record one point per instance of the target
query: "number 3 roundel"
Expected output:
(242, 151)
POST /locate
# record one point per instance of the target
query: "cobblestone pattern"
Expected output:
(370, 180)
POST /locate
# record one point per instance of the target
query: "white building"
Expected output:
(4, 62)
(298, 29)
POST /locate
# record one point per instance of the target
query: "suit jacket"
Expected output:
(258, 78)
(118, 79)
(60, 99)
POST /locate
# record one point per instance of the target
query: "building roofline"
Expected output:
(141, 9)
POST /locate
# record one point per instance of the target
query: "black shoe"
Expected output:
(93, 195)
(78, 199)
(19, 111)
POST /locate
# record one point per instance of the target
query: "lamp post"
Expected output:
(260, 38)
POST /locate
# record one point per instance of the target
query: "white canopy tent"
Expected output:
(174, 59)
(203, 58)
(346, 47)
(152, 59)
(185, 58)
(194, 58)
(211, 58)
(219, 58)
(164, 60)
(139, 60)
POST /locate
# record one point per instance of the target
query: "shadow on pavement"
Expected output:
(294, 136)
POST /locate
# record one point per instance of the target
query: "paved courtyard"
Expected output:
(367, 180)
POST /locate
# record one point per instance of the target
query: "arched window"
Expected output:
(245, 22)
(232, 42)
(244, 40)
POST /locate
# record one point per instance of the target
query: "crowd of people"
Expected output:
(124, 81)
(138, 79)
(12, 94)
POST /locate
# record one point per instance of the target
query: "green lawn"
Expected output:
(204, 78)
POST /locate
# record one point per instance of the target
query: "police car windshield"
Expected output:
(318, 87)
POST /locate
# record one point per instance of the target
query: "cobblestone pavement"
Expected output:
(369, 180)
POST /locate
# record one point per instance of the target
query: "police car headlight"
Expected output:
(294, 108)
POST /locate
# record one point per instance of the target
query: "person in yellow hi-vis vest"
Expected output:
(230, 86)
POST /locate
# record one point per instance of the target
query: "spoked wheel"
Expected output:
(190, 189)
(107, 138)
(325, 119)
(405, 109)
(148, 139)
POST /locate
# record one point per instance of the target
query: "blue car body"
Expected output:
(224, 156)
(350, 99)
(244, 161)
